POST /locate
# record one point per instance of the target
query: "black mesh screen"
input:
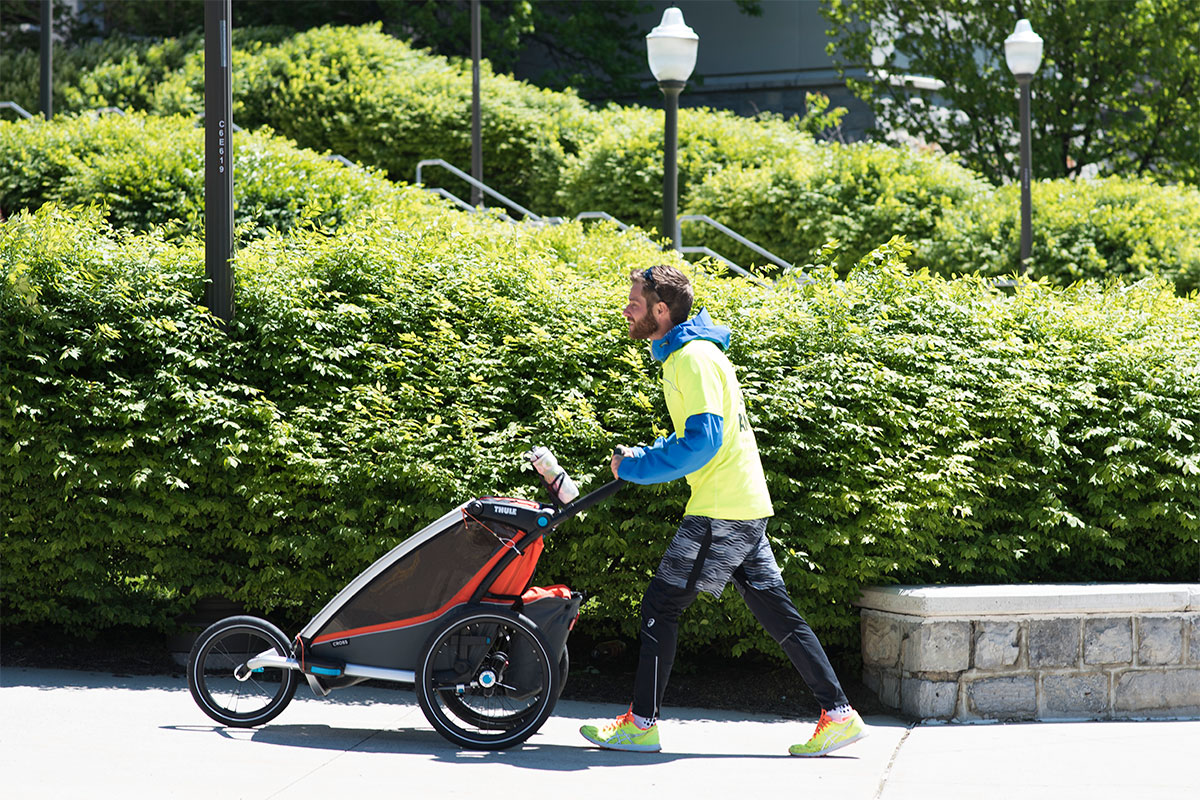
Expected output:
(422, 581)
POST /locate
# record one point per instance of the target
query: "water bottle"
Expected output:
(562, 488)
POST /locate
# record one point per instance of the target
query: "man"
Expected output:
(723, 533)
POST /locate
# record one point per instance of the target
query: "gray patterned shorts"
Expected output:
(706, 552)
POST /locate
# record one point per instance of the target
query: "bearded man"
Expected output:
(723, 533)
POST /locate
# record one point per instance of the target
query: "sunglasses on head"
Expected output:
(648, 277)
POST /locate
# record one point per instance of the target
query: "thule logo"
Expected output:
(510, 511)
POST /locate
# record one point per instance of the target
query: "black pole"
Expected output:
(1026, 176)
(47, 41)
(476, 111)
(218, 160)
(670, 228)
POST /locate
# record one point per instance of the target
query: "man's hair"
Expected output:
(662, 283)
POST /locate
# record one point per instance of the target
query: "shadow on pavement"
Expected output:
(530, 755)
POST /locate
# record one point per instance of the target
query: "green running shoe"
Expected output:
(831, 736)
(623, 734)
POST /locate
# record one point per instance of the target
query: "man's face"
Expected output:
(642, 323)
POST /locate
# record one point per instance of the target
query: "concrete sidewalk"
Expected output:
(88, 735)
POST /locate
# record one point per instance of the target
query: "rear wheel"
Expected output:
(466, 712)
(486, 680)
(225, 688)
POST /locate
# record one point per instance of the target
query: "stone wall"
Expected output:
(1023, 653)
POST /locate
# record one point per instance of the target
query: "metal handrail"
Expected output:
(750, 276)
(621, 226)
(708, 251)
(604, 215)
(737, 237)
(22, 113)
(453, 170)
(584, 215)
(458, 201)
(463, 204)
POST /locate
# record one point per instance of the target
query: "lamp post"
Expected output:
(1023, 52)
(46, 78)
(218, 158)
(671, 49)
(476, 113)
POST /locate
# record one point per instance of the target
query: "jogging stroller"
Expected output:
(450, 610)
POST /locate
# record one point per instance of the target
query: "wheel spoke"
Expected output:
(505, 697)
(212, 677)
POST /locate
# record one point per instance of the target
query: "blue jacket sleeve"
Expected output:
(658, 443)
(671, 458)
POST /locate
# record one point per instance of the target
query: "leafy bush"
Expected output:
(374, 99)
(925, 430)
(114, 71)
(119, 426)
(912, 428)
(392, 359)
(620, 170)
(381, 376)
(860, 195)
(149, 171)
(355, 92)
(1108, 227)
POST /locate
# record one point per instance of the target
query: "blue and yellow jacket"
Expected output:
(713, 445)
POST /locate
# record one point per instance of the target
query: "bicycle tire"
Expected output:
(240, 702)
(461, 685)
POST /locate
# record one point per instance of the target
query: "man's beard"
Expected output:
(643, 327)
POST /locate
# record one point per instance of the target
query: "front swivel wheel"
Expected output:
(226, 687)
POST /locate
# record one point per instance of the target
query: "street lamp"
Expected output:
(1023, 52)
(671, 49)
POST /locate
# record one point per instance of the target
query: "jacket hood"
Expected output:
(700, 326)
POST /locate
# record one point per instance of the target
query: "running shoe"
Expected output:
(831, 736)
(623, 734)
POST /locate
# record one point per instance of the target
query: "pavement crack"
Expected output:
(323, 765)
(887, 771)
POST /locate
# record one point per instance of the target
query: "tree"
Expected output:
(554, 43)
(1117, 89)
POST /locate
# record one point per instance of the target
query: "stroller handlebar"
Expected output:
(587, 501)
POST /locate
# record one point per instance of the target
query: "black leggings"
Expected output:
(663, 604)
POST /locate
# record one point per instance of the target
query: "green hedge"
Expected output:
(620, 170)
(912, 428)
(377, 101)
(114, 71)
(149, 172)
(1108, 227)
(381, 376)
(391, 358)
(352, 91)
(860, 195)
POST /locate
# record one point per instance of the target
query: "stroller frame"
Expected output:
(451, 610)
